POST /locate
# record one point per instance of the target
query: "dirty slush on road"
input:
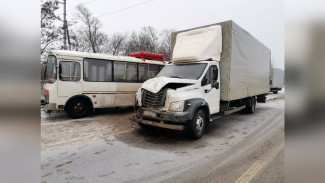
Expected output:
(58, 130)
(109, 142)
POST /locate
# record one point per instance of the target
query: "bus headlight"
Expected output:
(176, 106)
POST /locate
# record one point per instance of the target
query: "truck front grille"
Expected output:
(150, 99)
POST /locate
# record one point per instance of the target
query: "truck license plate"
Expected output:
(149, 113)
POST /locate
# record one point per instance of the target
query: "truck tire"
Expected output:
(275, 91)
(196, 126)
(78, 108)
(250, 108)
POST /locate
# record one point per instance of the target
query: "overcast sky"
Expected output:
(264, 19)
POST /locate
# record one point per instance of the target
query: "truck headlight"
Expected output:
(176, 106)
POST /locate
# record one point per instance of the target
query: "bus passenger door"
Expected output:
(69, 82)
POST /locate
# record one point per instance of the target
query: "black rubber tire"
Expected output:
(275, 91)
(251, 107)
(79, 108)
(192, 125)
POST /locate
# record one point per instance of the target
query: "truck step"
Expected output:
(234, 110)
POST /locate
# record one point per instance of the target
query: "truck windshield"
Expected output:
(183, 71)
(50, 74)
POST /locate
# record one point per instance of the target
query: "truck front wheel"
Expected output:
(196, 126)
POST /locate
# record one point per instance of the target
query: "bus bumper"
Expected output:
(49, 107)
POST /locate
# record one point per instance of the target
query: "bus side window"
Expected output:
(69, 71)
(131, 72)
(153, 70)
(119, 71)
(96, 70)
(143, 72)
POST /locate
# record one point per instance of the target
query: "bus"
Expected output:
(79, 82)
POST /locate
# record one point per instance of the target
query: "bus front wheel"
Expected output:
(78, 108)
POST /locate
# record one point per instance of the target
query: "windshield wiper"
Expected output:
(176, 77)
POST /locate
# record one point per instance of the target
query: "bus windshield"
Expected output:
(183, 71)
(50, 74)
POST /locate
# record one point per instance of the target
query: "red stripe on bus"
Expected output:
(108, 91)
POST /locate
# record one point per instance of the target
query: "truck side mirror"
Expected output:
(215, 84)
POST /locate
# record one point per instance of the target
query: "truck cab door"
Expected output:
(211, 88)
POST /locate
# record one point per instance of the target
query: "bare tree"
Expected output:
(132, 44)
(148, 37)
(165, 43)
(84, 34)
(50, 33)
(115, 43)
(89, 33)
(145, 40)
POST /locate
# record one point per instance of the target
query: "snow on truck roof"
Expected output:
(77, 54)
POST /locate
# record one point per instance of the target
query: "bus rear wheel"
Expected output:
(78, 108)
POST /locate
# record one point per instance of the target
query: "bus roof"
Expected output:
(80, 55)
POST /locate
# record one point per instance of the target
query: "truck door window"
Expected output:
(210, 76)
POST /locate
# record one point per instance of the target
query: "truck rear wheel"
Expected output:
(250, 108)
(196, 126)
(78, 108)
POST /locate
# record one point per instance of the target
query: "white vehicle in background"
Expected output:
(277, 80)
(216, 70)
(79, 82)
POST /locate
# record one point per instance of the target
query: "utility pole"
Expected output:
(65, 24)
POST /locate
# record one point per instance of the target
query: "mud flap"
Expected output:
(261, 98)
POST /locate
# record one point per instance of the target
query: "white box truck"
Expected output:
(215, 70)
(277, 80)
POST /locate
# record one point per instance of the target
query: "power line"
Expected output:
(65, 24)
(119, 10)
(88, 2)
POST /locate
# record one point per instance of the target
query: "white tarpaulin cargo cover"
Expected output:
(277, 78)
(198, 44)
(244, 63)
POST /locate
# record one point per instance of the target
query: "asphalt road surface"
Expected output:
(105, 148)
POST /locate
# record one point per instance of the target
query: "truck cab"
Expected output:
(179, 92)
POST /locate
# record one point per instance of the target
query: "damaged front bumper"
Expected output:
(176, 117)
(163, 119)
(160, 124)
